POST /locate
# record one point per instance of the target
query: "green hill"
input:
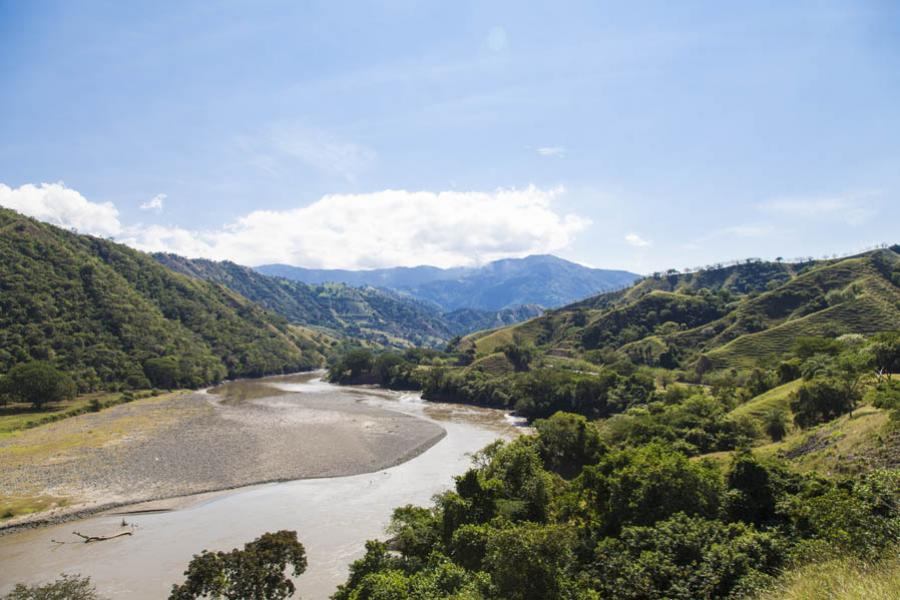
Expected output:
(102, 311)
(737, 316)
(369, 313)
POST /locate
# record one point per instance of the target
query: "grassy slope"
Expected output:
(778, 397)
(841, 579)
(779, 303)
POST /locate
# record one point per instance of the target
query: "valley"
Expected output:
(761, 395)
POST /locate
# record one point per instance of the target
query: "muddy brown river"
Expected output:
(333, 516)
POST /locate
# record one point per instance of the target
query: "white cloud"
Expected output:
(636, 240)
(558, 151)
(851, 209)
(155, 203)
(59, 205)
(388, 228)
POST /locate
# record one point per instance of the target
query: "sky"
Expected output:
(638, 135)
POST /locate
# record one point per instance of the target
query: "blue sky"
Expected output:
(634, 135)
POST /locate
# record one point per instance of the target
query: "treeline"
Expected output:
(565, 514)
(836, 376)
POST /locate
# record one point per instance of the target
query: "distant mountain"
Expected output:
(541, 280)
(114, 317)
(366, 312)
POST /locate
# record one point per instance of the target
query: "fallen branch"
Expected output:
(99, 538)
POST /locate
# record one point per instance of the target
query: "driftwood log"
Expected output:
(99, 538)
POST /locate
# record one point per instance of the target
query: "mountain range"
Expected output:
(366, 312)
(542, 280)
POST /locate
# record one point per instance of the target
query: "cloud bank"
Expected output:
(386, 228)
(56, 204)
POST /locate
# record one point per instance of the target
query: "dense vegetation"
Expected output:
(368, 313)
(565, 513)
(543, 280)
(705, 436)
(114, 318)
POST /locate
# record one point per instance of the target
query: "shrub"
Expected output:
(37, 383)
(821, 400)
(67, 587)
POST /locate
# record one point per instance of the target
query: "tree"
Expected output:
(38, 382)
(885, 351)
(528, 561)
(257, 572)
(821, 400)
(751, 494)
(683, 558)
(567, 442)
(67, 587)
(519, 355)
(358, 361)
(162, 372)
(775, 422)
(886, 395)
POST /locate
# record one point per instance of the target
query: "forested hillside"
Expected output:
(113, 317)
(730, 433)
(367, 313)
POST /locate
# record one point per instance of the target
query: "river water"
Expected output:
(333, 516)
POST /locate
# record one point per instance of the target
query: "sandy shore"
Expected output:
(241, 434)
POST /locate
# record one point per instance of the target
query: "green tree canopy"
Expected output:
(38, 382)
(257, 572)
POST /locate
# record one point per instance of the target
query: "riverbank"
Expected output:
(240, 434)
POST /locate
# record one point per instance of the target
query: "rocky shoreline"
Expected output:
(175, 448)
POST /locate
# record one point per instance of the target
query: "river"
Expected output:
(333, 516)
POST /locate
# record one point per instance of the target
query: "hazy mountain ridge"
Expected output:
(542, 280)
(366, 312)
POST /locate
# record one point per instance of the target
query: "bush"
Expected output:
(820, 401)
(67, 587)
(683, 558)
(37, 383)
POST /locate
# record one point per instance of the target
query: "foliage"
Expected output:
(257, 571)
(685, 558)
(519, 355)
(38, 383)
(886, 395)
(99, 311)
(361, 311)
(821, 400)
(67, 587)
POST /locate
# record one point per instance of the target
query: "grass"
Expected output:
(847, 445)
(16, 507)
(875, 310)
(17, 416)
(840, 579)
(776, 398)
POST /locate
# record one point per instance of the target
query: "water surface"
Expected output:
(333, 516)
